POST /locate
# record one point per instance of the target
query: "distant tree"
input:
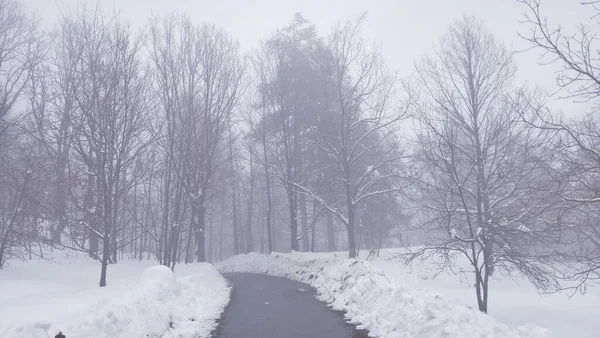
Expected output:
(52, 107)
(16, 185)
(288, 95)
(358, 132)
(21, 49)
(21, 52)
(198, 75)
(379, 216)
(258, 130)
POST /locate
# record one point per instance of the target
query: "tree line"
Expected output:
(170, 143)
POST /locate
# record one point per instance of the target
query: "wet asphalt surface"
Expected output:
(270, 307)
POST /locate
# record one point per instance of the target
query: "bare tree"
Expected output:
(234, 194)
(52, 106)
(21, 52)
(109, 126)
(358, 131)
(484, 181)
(174, 60)
(198, 79)
(578, 78)
(221, 81)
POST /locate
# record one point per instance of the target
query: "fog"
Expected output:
(459, 133)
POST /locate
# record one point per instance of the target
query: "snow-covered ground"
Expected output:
(512, 301)
(41, 298)
(391, 301)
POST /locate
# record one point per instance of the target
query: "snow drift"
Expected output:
(374, 303)
(158, 305)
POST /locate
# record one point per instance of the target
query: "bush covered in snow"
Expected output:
(374, 303)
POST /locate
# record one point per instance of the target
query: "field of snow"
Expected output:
(41, 298)
(512, 301)
(392, 301)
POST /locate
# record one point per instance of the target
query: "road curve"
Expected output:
(270, 307)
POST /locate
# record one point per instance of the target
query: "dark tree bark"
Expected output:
(330, 232)
(304, 222)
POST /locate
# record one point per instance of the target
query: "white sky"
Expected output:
(407, 29)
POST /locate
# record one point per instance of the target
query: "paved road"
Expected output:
(264, 307)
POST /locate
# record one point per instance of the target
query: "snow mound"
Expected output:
(374, 303)
(142, 307)
(158, 305)
(203, 298)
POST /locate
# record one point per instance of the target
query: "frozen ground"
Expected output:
(40, 298)
(392, 301)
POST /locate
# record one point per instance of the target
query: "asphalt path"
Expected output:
(270, 307)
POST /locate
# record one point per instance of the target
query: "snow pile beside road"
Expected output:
(374, 303)
(158, 305)
(202, 299)
(142, 310)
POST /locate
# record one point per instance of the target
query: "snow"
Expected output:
(453, 233)
(513, 300)
(41, 298)
(389, 300)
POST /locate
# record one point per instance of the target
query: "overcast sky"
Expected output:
(407, 29)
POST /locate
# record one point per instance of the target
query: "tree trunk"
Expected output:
(304, 222)
(105, 258)
(249, 239)
(380, 236)
(351, 227)
(113, 245)
(89, 217)
(273, 241)
(175, 225)
(173, 245)
(189, 246)
(163, 246)
(236, 245)
(221, 222)
(481, 289)
(268, 186)
(200, 244)
(240, 226)
(291, 159)
(60, 200)
(314, 228)
(261, 227)
(293, 222)
(209, 257)
(372, 234)
(330, 233)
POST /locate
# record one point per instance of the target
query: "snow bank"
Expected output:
(158, 305)
(376, 304)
